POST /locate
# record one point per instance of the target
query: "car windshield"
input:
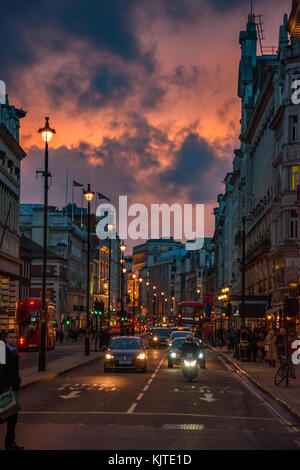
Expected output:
(126, 343)
(161, 331)
(180, 334)
(178, 342)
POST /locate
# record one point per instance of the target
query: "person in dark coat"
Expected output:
(11, 379)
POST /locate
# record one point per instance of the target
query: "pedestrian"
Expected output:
(260, 343)
(10, 379)
(253, 344)
(61, 336)
(280, 342)
(270, 348)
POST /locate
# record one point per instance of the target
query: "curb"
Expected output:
(259, 385)
(52, 376)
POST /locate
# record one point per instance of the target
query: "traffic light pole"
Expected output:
(96, 333)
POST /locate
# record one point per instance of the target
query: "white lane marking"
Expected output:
(185, 427)
(145, 388)
(113, 389)
(153, 375)
(208, 397)
(140, 396)
(132, 408)
(71, 395)
(149, 381)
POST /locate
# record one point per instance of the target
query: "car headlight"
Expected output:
(155, 338)
(173, 354)
(109, 356)
(190, 363)
(170, 344)
(200, 355)
(141, 356)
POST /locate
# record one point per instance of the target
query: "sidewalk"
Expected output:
(263, 375)
(77, 358)
(31, 376)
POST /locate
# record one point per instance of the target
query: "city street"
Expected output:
(87, 409)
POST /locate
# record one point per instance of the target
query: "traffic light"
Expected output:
(98, 307)
(68, 321)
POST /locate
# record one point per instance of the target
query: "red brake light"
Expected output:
(32, 302)
(21, 340)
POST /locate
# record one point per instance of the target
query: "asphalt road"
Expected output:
(159, 410)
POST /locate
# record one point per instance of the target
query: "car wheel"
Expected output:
(170, 364)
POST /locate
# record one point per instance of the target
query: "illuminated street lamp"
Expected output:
(47, 134)
(123, 272)
(89, 195)
(110, 228)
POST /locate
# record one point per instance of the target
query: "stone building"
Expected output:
(11, 155)
(262, 187)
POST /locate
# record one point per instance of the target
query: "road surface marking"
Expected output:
(153, 375)
(185, 427)
(145, 388)
(149, 381)
(132, 408)
(113, 389)
(73, 394)
(140, 396)
(208, 397)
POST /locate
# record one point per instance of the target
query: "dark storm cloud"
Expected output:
(198, 169)
(107, 25)
(190, 10)
(135, 147)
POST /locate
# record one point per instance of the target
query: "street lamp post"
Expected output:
(123, 271)
(89, 195)
(47, 134)
(133, 305)
(139, 302)
(148, 284)
(110, 228)
(162, 304)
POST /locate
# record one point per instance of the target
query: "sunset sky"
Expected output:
(142, 93)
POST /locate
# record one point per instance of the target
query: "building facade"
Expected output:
(11, 155)
(261, 190)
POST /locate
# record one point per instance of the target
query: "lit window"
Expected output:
(294, 177)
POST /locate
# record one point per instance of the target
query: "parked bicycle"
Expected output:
(285, 371)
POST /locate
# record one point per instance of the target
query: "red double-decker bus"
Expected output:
(191, 314)
(28, 324)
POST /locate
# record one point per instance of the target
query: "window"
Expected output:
(294, 128)
(294, 178)
(293, 225)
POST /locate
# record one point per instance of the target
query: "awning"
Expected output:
(275, 309)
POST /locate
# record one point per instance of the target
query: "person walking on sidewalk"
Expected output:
(280, 342)
(11, 379)
(270, 348)
(260, 346)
